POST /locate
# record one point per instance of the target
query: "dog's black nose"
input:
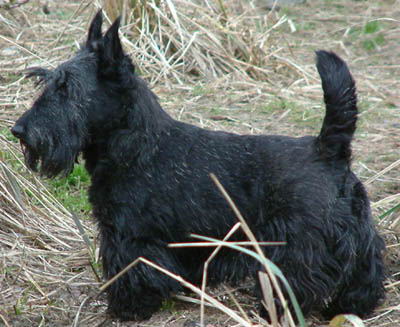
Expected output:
(18, 131)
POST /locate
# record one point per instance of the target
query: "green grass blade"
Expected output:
(275, 269)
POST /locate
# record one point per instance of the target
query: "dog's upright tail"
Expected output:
(334, 140)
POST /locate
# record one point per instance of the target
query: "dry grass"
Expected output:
(192, 52)
(42, 253)
(207, 39)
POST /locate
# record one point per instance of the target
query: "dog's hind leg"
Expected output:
(360, 292)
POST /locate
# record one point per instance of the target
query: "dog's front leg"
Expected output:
(138, 293)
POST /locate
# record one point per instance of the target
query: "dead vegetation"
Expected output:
(207, 39)
(193, 52)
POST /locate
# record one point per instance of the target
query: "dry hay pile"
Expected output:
(208, 39)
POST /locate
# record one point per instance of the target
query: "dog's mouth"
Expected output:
(24, 146)
(39, 159)
(30, 154)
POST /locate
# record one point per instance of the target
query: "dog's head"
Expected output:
(82, 97)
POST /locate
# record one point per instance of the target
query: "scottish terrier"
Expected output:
(151, 185)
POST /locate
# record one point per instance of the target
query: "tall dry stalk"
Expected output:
(176, 37)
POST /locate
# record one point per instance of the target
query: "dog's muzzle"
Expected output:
(19, 132)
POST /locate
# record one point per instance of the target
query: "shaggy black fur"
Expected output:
(151, 185)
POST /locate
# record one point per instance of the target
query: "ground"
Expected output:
(47, 270)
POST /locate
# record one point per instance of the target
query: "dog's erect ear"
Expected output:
(112, 61)
(95, 35)
(112, 44)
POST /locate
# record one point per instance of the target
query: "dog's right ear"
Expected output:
(94, 36)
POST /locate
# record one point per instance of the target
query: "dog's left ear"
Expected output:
(112, 48)
(94, 35)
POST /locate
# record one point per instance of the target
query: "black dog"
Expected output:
(151, 185)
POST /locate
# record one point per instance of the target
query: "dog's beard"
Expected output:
(30, 154)
(50, 158)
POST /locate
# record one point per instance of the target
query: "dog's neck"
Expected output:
(131, 138)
